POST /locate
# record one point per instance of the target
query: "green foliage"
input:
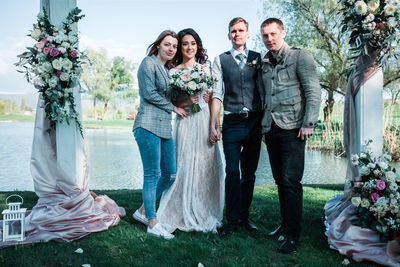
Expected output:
(8, 106)
(128, 244)
(108, 80)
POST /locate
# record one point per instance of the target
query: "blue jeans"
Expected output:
(159, 167)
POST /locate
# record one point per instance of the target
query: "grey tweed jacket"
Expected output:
(155, 110)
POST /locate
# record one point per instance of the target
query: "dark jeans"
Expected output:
(286, 156)
(241, 141)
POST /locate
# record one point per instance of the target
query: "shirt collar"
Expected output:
(235, 52)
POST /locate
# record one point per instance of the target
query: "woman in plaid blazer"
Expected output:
(152, 128)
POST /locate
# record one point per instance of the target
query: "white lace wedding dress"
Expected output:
(195, 200)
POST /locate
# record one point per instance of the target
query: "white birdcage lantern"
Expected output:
(14, 221)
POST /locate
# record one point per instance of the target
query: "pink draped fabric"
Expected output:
(350, 240)
(66, 210)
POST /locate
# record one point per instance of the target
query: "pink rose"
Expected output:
(374, 197)
(58, 73)
(46, 50)
(74, 54)
(40, 44)
(54, 52)
(185, 77)
(380, 185)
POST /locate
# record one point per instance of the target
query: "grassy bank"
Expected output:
(17, 117)
(128, 244)
(92, 124)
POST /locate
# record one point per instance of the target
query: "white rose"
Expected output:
(360, 7)
(354, 159)
(72, 38)
(390, 176)
(389, 10)
(364, 171)
(371, 165)
(365, 203)
(61, 49)
(36, 34)
(191, 85)
(393, 187)
(356, 201)
(392, 23)
(47, 67)
(383, 165)
(50, 39)
(64, 77)
(373, 6)
(65, 44)
(67, 64)
(57, 64)
(53, 81)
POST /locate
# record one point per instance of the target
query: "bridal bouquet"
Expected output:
(376, 194)
(373, 25)
(53, 66)
(191, 82)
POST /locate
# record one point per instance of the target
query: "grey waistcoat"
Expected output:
(240, 84)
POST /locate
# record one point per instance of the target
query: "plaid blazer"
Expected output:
(155, 110)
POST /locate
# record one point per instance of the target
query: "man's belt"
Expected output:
(243, 114)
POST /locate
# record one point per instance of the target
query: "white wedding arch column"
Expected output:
(369, 112)
(67, 136)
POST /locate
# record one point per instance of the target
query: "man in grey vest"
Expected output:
(237, 71)
(292, 100)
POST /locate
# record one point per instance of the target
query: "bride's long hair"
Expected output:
(201, 56)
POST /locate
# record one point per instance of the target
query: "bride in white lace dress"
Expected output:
(196, 199)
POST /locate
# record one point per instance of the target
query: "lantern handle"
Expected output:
(15, 195)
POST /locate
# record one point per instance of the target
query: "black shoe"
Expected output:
(228, 230)
(277, 232)
(288, 245)
(249, 226)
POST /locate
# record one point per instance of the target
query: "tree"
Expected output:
(120, 81)
(95, 76)
(316, 27)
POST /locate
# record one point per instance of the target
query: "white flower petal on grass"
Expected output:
(79, 250)
(346, 261)
(86, 265)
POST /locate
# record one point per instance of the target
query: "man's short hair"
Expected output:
(272, 20)
(237, 20)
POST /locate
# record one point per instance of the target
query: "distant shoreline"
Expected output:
(88, 124)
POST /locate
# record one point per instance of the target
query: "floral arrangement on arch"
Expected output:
(191, 82)
(373, 26)
(53, 66)
(376, 195)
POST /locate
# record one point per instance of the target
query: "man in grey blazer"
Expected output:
(291, 107)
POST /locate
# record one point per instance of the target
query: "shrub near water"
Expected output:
(328, 136)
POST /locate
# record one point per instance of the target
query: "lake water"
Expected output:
(115, 160)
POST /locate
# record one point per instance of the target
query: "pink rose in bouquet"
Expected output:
(375, 196)
(54, 52)
(46, 50)
(74, 54)
(380, 185)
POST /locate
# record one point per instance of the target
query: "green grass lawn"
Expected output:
(128, 244)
